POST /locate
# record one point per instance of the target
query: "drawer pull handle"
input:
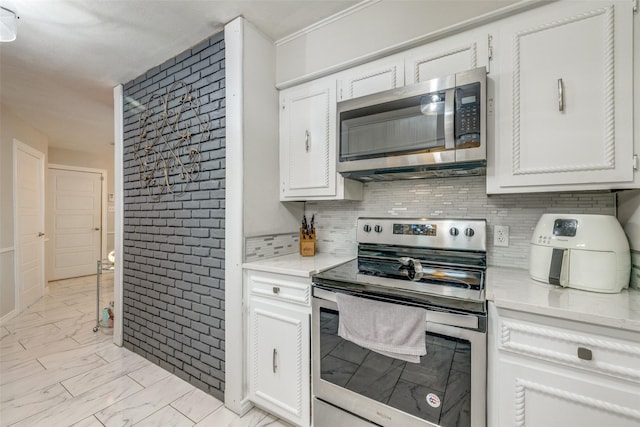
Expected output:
(584, 353)
(307, 138)
(276, 290)
(560, 95)
(275, 360)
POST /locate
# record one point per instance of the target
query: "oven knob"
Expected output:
(454, 231)
(469, 232)
(367, 228)
(378, 229)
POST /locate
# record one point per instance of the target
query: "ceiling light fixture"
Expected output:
(8, 25)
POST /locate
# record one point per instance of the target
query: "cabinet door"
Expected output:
(565, 102)
(307, 140)
(279, 360)
(535, 394)
(370, 78)
(449, 56)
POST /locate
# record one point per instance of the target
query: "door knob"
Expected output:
(96, 228)
(40, 234)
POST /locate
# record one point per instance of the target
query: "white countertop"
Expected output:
(513, 289)
(297, 265)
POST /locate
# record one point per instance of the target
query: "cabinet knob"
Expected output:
(276, 290)
(584, 353)
(275, 360)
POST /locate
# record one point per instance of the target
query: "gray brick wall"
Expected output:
(173, 257)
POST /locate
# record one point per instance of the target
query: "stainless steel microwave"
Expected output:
(434, 128)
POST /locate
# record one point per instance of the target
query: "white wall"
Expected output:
(629, 215)
(371, 28)
(11, 127)
(263, 212)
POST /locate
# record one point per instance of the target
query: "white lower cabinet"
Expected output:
(544, 372)
(278, 345)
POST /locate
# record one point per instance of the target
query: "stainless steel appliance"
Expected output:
(433, 128)
(588, 252)
(438, 265)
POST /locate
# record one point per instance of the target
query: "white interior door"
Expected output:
(28, 184)
(76, 234)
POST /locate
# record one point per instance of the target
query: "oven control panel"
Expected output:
(414, 229)
(464, 234)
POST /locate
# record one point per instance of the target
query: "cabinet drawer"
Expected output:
(280, 287)
(591, 352)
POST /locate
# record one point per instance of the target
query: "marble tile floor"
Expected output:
(55, 371)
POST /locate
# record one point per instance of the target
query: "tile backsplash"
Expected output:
(463, 197)
(260, 247)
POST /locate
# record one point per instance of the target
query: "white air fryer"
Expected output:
(588, 252)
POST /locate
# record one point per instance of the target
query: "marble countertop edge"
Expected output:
(513, 289)
(297, 265)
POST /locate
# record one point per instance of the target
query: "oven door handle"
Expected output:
(453, 319)
(441, 317)
(325, 295)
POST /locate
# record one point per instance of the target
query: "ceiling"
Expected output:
(59, 74)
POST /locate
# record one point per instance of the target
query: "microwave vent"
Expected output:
(420, 172)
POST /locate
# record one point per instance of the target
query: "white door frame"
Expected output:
(103, 201)
(18, 145)
(118, 226)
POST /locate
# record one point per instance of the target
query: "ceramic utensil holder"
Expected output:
(307, 243)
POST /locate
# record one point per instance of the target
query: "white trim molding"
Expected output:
(524, 386)
(235, 394)
(324, 22)
(492, 16)
(118, 135)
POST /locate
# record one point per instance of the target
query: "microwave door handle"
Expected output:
(449, 120)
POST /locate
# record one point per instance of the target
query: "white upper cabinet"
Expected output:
(564, 104)
(308, 145)
(447, 56)
(376, 76)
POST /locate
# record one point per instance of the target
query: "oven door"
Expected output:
(447, 388)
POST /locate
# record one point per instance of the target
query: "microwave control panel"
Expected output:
(467, 117)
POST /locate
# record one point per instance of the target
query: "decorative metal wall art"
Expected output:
(171, 131)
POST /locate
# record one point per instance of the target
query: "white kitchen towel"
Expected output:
(393, 330)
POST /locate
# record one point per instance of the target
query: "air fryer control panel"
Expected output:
(565, 227)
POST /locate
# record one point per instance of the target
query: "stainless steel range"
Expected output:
(436, 265)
